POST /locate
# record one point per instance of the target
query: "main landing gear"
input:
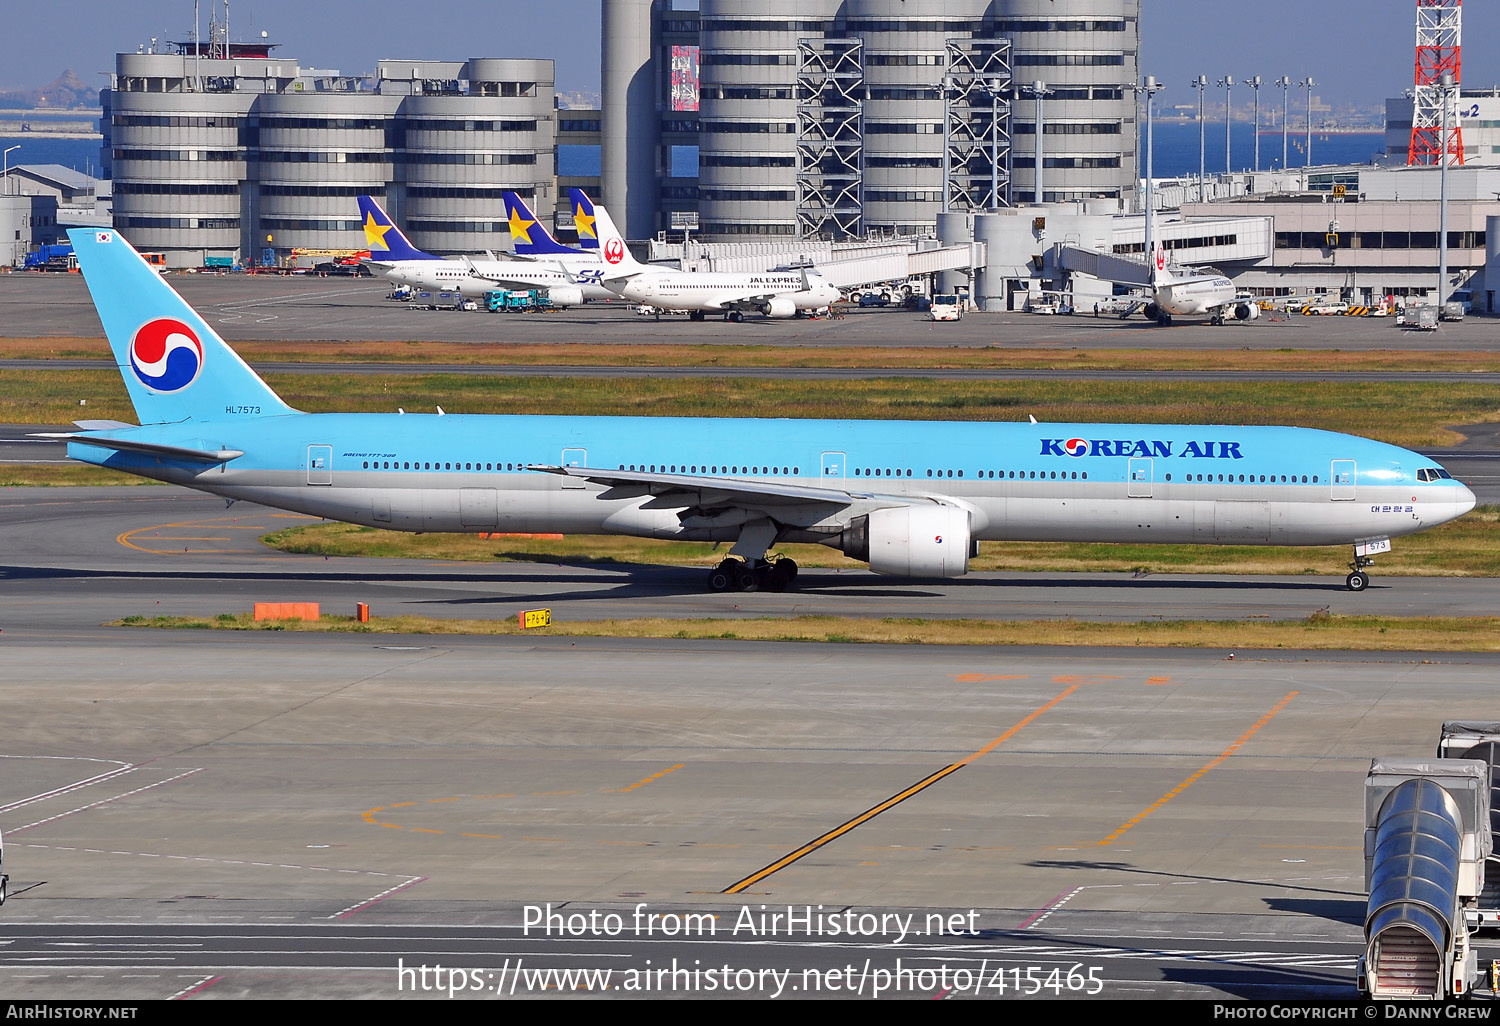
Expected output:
(742, 575)
(748, 568)
(1358, 580)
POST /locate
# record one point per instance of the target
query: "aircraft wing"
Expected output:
(751, 304)
(174, 452)
(677, 491)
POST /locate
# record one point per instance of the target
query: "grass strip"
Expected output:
(1404, 413)
(1319, 631)
(992, 357)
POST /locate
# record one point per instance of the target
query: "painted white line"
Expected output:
(104, 801)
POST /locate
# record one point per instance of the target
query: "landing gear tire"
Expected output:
(776, 578)
(1357, 581)
(788, 566)
(719, 579)
(734, 317)
(695, 315)
(747, 580)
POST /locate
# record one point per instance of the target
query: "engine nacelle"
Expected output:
(565, 295)
(912, 541)
(1246, 311)
(779, 306)
(1150, 311)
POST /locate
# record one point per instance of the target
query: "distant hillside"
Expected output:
(66, 90)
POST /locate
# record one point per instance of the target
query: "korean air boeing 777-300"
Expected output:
(911, 498)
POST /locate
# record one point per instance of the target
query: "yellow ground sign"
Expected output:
(536, 618)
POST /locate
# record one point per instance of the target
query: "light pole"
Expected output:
(6, 175)
(1150, 87)
(1309, 86)
(1227, 84)
(1201, 84)
(1446, 84)
(1255, 84)
(1286, 86)
(1039, 90)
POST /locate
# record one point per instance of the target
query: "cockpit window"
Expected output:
(1433, 474)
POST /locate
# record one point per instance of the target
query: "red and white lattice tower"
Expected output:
(1439, 52)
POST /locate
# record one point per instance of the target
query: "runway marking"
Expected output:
(103, 801)
(643, 783)
(1212, 763)
(201, 985)
(891, 802)
(1041, 914)
(124, 768)
(1072, 678)
(410, 882)
(1159, 680)
(210, 523)
(975, 678)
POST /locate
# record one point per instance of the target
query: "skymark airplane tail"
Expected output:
(527, 233)
(583, 219)
(613, 253)
(176, 367)
(384, 239)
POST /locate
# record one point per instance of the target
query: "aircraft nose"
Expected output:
(1466, 501)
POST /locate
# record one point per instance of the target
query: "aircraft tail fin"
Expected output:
(176, 368)
(527, 233)
(1159, 273)
(583, 219)
(613, 252)
(385, 240)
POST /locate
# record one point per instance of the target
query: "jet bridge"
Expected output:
(1480, 740)
(1426, 841)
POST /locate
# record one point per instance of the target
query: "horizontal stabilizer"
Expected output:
(175, 452)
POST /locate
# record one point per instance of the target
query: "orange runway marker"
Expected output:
(1212, 763)
(891, 802)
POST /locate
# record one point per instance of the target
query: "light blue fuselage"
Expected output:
(1128, 482)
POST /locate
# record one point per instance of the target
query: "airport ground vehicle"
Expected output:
(946, 307)
(1419, 318)
(53, 257)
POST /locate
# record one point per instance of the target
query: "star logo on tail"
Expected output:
(584, 223)
(519, 227)
(375, 233)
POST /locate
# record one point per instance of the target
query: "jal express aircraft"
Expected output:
(1204, 295)
(911, 498)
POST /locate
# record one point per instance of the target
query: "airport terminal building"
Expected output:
(250, 156)
(845, 118)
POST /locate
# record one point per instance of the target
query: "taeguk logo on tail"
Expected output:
(165, 355)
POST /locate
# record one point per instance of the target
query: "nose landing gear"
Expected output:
(1358, 580)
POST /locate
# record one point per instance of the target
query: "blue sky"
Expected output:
(1358, 50)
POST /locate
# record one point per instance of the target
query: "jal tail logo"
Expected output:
(614, 250)
(165, 355)
(1161, 257)
(1076, 447)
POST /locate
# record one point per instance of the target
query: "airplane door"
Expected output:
(320, 464)
(477, 508)
(574, 458)
(1140, 472)
(1342, 476)
(833, 469)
